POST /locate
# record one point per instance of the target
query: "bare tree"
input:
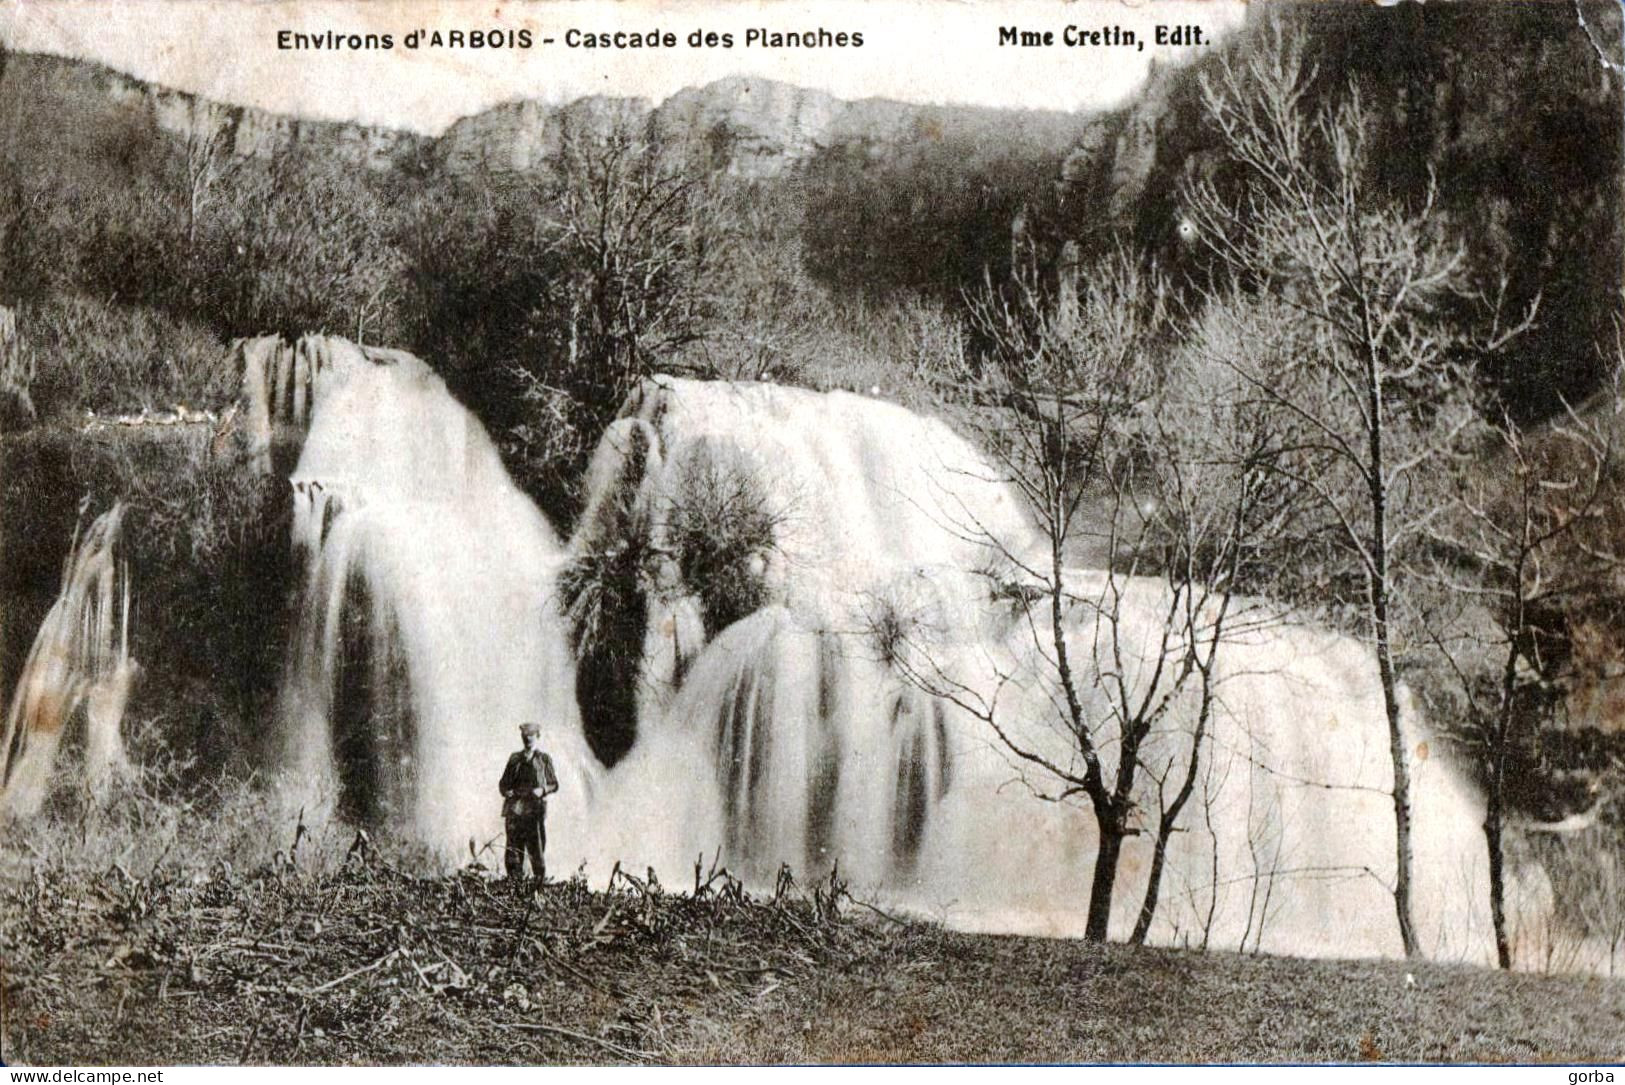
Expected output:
(1524, 545)
(1218, 512)
(1055, 392)
(629, 225)
(1155, 468)
(208, 161)
(1378, 390)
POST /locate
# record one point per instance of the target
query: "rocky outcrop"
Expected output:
(1135, 154)
(745, 126)
(72, 98)
(753, 127)
(522, 137)
(750, 127)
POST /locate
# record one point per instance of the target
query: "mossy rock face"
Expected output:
(606, 690)
(603, 595)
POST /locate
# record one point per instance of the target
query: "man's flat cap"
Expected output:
(528, 729)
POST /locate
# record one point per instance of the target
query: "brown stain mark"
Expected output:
(1130, 864)
(1369, 1051)
(1422, 751)
(50, 713)
(220, 443)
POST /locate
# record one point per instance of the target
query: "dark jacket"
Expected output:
(523, 775)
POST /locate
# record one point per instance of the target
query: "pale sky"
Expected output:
(914, 50)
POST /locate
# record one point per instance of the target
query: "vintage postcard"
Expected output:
(812, 532)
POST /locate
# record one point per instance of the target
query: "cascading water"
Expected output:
(755, 493)
(771, 591)
(823, 727)
(80, 659)
(426, 631)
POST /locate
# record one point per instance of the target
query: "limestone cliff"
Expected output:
(52, 97)
(753, 127)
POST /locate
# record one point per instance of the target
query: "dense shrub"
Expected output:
(293, 246)
(87, 354)
(544, 302)
(937, 217)
(770, 318)
(212, 563)
(303, 245)
(721, 529)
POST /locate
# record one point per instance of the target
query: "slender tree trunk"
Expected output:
(1105, 879)
(1159, 857)
(1094, 784)
(1402, 771)
(1170, 821)
(1495, 801)
(1492, 838)
(1378, 576)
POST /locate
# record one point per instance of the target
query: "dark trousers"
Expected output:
(527, 834)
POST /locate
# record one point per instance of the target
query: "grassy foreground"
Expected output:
(366, 964)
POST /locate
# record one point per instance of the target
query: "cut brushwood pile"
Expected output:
(367, 963)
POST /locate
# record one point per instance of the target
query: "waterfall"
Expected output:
(278, 389)
(80, 659)
(779, 637)
(426, 631)
(846, 719)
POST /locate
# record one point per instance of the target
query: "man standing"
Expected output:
(526, 783)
